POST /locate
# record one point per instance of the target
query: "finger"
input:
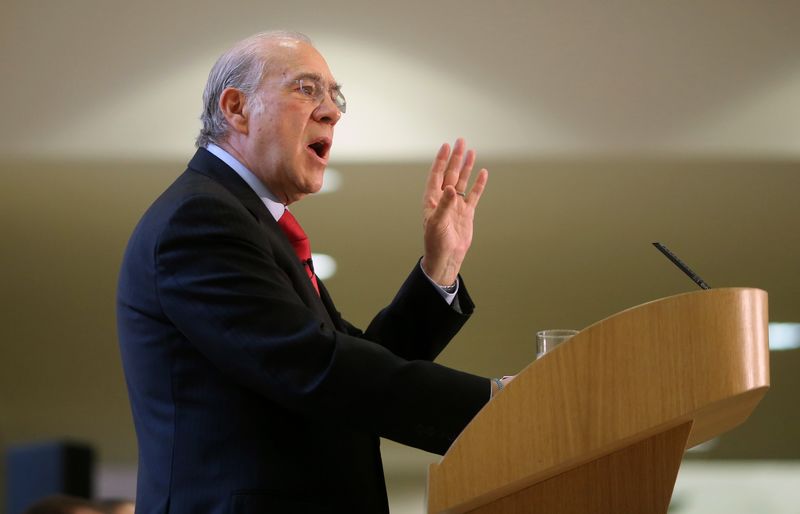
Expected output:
(474, 195)
(466, 171)
(438, 168)
(454, 165)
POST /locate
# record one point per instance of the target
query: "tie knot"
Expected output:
(291, 227)
(296, 235)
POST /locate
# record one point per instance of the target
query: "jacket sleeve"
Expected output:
(418, 323)
(219, 283)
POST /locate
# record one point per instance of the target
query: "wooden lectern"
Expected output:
(599, 424)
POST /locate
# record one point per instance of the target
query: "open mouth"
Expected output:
(321, 147)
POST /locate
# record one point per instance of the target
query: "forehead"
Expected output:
(291, 59)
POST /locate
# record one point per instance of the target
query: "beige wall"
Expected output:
(557, 244)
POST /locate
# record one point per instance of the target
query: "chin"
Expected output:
(316, 185)
(308, 189)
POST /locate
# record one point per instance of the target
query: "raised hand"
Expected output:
(448, 210)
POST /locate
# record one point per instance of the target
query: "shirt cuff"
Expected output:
(448, 293)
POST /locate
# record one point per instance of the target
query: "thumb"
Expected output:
(448, 197)
(445, 205)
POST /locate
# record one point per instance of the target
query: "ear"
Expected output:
(232, 103)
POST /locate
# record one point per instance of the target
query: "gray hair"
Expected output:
(243, 67)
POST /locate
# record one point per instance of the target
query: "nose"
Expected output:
(327, 112)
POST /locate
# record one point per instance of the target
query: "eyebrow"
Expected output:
(317, 77)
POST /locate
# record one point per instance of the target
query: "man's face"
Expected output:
(290, 135)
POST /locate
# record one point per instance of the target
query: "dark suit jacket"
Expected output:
(249, 392)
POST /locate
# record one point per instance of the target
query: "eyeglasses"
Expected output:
(314, 89)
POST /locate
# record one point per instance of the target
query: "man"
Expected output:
(249, 391)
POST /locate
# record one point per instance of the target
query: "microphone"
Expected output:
(681, 265)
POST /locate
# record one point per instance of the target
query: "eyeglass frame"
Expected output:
(335, 92)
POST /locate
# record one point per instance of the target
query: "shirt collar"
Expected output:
(275, 207)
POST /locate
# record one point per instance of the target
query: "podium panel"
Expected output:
(623, 398)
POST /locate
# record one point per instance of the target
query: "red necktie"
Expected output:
(299, 240)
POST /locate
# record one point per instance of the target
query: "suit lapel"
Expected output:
(208, 164)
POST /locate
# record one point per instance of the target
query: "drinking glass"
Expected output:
(546, 340)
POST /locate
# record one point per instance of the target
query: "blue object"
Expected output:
(34, 471)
